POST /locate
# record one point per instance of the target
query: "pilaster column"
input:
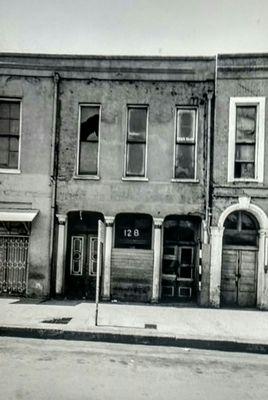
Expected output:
(262, 281)
(215, 265)
(60, 253)
(109, 221)
(157, 259)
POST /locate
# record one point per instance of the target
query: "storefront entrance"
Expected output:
(81, 265)
(180, 259)
(239, 260)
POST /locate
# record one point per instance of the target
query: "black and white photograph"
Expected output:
(133, 200)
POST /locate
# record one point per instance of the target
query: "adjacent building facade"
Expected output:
(168, 153)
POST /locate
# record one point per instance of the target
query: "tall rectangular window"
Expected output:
(185, 147)
(9, 134)
(245, 142)
(136, 142)
(88, 152)
(246, 139)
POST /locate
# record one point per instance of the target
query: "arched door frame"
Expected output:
(244, 204)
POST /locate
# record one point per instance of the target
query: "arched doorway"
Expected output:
(239, 260)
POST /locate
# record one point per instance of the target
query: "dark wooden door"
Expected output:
(239, 277)
(81, 277)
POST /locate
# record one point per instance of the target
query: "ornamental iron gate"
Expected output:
(13, 264)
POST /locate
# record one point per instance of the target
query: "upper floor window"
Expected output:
(136, 142)
(9, 134)
(246, 139)
(88, 147)
(185, 144)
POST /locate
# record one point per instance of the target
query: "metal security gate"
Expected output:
(13, 264)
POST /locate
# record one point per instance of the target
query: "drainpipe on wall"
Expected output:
(53, 172)
(208, 169)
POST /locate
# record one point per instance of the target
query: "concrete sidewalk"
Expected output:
(223, 329)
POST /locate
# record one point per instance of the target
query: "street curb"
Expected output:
(149, 340)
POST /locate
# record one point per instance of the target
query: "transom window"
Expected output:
(136, 142)
(9, 134)
(88, 140)
(185, 151)
(246, 139)
(133, 231)
(241, 229)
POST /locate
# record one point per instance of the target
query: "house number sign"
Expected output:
(130, 233)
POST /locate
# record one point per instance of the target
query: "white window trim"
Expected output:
(136, 178)
(259, 102)
(174, 179)
(85, 176)
(14, 170)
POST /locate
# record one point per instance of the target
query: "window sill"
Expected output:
(253, 181)
(10, 171)
(87, 177)
(135, 179)
(174, 180)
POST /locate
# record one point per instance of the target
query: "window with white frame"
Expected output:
(136, 141)
(185, 143)
(88, 142)
(246, 139)
(9, 134)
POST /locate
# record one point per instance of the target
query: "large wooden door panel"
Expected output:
(228, 277)
(247, 278)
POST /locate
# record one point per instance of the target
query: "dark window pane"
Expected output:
(14, 126)
(247, 222)
(133, 231)
(186, 124)
(137, 124)
(135, 159)
(231, 221)
(244, 170)
(14, 110)
(186, 256)
(185, 161)
(4, 109)
(14, 144)
(88, 158)
(240, 238)
(4, 143)
(245, 152)
(89, 129)
(245, 123)
(13, 159)
(4, 126)
(185, 273)
(179, 230)
(3, 158)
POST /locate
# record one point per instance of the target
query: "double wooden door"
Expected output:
(81, 277)
(239, 277)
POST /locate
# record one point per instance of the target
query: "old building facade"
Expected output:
(168, 153)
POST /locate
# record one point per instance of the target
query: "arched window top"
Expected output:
(241, 221)
(241, 229)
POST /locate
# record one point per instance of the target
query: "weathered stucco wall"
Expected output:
(111, 195)
(30, 189)
(238, 76)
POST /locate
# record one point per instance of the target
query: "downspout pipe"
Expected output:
(208, 170)
(53, 173)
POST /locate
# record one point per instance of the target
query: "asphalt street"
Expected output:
(36, 369)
